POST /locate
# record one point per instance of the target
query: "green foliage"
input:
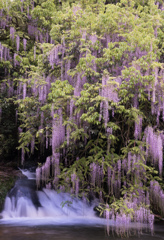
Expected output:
(67, 203)
(5, 186)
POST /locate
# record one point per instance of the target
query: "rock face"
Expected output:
(8, 176)
(24, 186)
(26, 189)
(8, 172)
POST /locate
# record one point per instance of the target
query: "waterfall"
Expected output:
(27, 206)
(24, 203)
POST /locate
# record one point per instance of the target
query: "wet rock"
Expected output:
(25, 188)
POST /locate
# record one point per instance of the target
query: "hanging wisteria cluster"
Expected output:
(123, 222)
(4, 53)
(154, 148)
(157, 196)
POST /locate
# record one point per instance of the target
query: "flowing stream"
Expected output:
(48, 215)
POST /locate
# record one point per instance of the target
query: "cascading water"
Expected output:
(26, 207)
(24, 204)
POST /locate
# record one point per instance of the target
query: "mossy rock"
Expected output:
(8, 177)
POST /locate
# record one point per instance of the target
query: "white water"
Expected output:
(55, 208)
(38, 215)
(28, 174)
(51, 202)
(24, 206)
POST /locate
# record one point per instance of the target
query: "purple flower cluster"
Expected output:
(157, 197)
(154, 149)
(4, 53)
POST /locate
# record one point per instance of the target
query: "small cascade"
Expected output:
(29, 174)
(25, 203)
(26, 206)
(46, 203)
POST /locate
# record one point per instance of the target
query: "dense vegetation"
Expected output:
(82, 90)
